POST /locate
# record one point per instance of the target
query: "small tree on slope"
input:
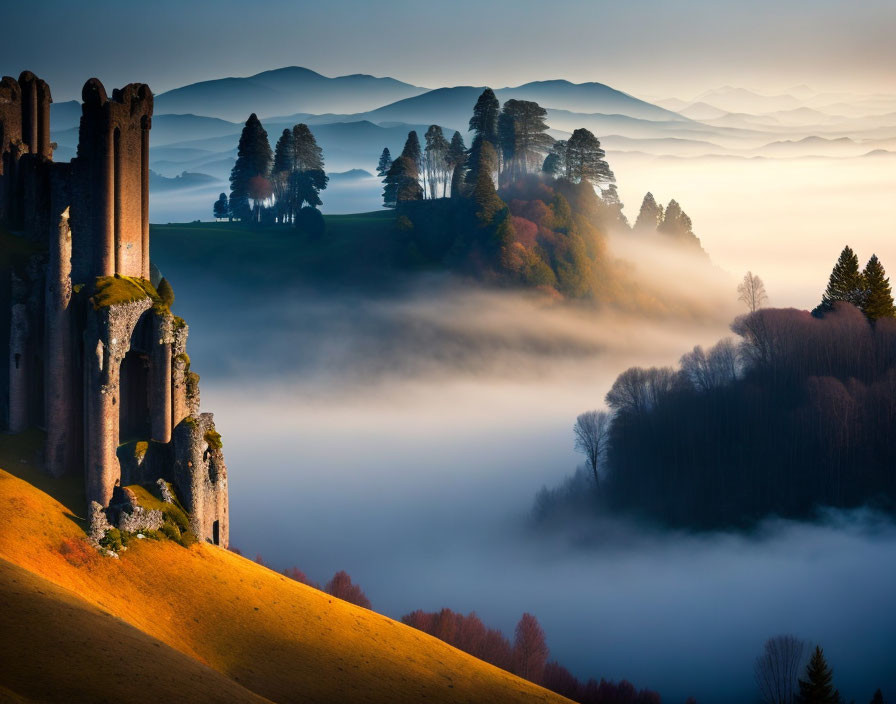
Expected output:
(846, 282)
(817, 688)
(878, 300)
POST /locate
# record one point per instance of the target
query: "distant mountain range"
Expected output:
(196, 127)
(282, 91)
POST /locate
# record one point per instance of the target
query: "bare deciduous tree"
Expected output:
(752, 292)
(778, 667)
(592, 430)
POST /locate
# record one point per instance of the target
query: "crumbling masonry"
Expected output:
(96, 358)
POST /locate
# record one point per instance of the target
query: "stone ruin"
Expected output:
(96, 358)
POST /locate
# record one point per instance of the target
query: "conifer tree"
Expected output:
(382, 168)
(650, 216)
(817, 687)
(412, 151)
(253, 162)
(523, 137)
(878, 698)
(488, 203)
(307, 175)
(878, 300)
(401, 183)
(676, 222)
(308, 155)
(281, 172)
(484, 122)
(585, 160)
(457, 159)
(846, 282)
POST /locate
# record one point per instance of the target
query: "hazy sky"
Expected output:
(648, 47)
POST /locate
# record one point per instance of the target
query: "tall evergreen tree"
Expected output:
(523, 137)
(650, 216)
(488, 203)
(382, 168)
(253, 162)
(307, 177)
(585, 160)
(401, 183)
(308, 155)
(413, 152)
(846, 282)
(817, 688)
(484, 122)
(878, 698)
(676, 222)
(878, 300)
(457, 159)
(281, 173)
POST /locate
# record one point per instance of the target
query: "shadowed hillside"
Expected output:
(202, 622)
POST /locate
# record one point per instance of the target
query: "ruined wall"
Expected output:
(200, 477)
(110, 199)
(24, 131)
(91, 359)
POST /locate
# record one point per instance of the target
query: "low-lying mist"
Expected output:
(402, 436)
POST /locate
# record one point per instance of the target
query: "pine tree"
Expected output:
(253, 161)
(677, 224)
(846, 282)
(308, 156)
(523, 137)
(280, 174)
(382, 168)
(457, 159)
(817, 687)
(585, 160)
(401, 183)
(650, 216)
(307, 176)
(484, 195)
(412, 152)
(878, 698)
(484, 122)
(878, 300)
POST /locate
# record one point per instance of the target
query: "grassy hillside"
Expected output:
(196, 620)
(359, 246)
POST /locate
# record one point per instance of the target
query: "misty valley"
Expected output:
(542, 392)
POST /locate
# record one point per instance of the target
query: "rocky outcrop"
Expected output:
(98, 524)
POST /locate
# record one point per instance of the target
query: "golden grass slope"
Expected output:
(57, 647)
(266, 634)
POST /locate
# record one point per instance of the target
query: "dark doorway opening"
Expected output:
(133, 414)
(216, 533)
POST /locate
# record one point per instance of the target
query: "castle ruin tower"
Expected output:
(96, 358)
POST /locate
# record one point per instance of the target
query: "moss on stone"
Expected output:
(213, 438)
(185, 358)
(116, 290)
(192, 381)
(179, 323)
(140, 450)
